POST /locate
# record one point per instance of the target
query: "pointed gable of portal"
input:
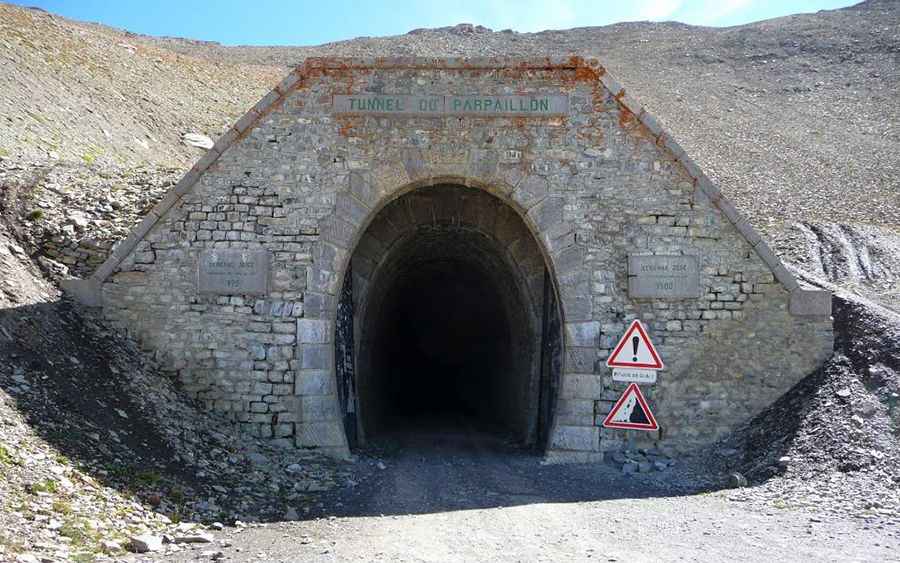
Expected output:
(809, 302)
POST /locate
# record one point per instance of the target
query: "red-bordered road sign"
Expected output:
(635, 350)
(631, 412)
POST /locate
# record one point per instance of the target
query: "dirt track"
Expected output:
(470, 497)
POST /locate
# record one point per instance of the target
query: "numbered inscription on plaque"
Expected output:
(666, 276)
(228, 272)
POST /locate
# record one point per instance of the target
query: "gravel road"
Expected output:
(469, 496)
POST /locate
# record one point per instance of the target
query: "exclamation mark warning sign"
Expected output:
(635, 350)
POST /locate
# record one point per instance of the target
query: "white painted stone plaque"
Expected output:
(230, 272)
(634, 375)
(665, 276)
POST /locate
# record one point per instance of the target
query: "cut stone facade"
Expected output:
(582, 188)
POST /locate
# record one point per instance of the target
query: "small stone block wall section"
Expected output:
(593, 186)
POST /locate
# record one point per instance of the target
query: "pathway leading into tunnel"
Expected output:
(461, 494)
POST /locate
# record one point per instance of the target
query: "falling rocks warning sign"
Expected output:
(631, 412)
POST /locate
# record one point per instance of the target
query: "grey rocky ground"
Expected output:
(795, 118)
(467, 496)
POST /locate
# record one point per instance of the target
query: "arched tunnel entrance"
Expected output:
(447, 321)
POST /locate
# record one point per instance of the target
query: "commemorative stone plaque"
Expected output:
(535, 105)
(229, 271)
(671, 277)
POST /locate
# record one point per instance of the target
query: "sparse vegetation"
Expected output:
(91, 155)
(35, 215)
(147, 478)
(62, 507)
(45, 486)
(5, 457)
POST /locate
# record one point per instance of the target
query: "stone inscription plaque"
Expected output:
(536, 105)
(228, 271)
(674, 277)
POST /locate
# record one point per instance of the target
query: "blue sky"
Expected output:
(302, 22)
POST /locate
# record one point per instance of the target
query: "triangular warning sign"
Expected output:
(635, 350)
(631, 412)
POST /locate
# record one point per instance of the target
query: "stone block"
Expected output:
(583, 334)
(316, 356)
(87, 292)
(580, 438)
(320, 408)
(582, 386)
(314, 382)
(314, 331)
(320, 434)
(530, 191)
(807, 302)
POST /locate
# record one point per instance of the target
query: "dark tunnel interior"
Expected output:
(446, 318)
(448, 339)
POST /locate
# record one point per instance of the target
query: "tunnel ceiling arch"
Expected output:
(234, 277)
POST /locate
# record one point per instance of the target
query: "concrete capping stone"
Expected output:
(291, 80)
(691, 167)
(205, 161)
(676, 150)
(225, 140)
(730, 211)
(747, 231)
(186, 183)
(612, 85)
(811, 303)
(266, 102)
(460, 63)
(246, 121)
(166, 203)
(709, 189)
(650, 123)
(87, 292)
(778, 270)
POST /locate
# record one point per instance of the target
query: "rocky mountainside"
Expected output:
(796, 118)
(92, 94)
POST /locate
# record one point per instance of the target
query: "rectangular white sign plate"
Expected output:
(233, 272)
(634, 375)
(674, 277)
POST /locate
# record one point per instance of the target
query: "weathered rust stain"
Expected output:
(626, 118)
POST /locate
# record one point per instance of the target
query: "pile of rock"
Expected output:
(100, 453)
(72, 214)
(641, 460)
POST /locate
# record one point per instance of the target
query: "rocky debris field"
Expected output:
(863, 260)
(101, 454)
(831, 444)
(70, 215)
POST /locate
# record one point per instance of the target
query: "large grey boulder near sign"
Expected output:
(551, 173)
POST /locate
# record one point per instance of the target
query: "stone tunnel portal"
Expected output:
(448, 321)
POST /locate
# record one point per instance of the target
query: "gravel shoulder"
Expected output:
(468, 497)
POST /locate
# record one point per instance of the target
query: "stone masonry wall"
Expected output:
(592, 186)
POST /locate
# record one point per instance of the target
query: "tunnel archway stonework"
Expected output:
(509, 187)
